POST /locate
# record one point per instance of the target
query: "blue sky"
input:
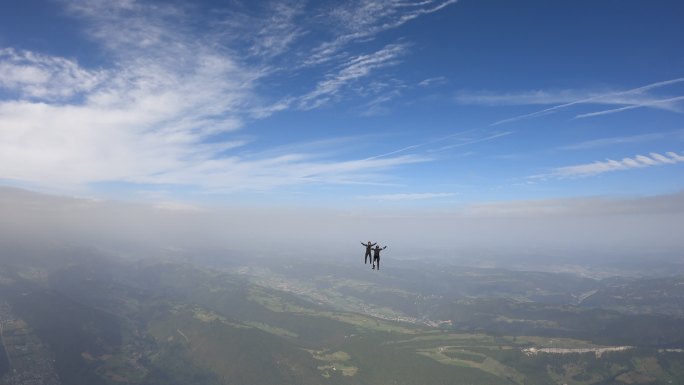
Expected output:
(396, 103)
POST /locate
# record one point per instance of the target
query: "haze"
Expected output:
(534, 234)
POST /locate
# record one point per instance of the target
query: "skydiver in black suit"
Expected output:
(376, 256)
(369, 246)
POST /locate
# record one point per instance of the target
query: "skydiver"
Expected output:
(376, 256)
(369, 246)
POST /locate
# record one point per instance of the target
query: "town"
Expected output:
(30, 362)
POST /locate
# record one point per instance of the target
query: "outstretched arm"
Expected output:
(363, 244)
(374, 244)
(384, 247)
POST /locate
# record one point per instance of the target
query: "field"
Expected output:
(166, 322)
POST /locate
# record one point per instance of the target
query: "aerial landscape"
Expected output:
(368, 192)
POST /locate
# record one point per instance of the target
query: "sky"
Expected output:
(554, 127)
(395, 103)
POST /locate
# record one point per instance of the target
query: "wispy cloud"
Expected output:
(356, 68)
(406, 196)
(629, 99)
(377, 106)
(333, 31)
(279, 30)
(469, 141)
(534, 97)
(603, 142)
(669, 104)
(236, 173)
(462, 138)
(601, 167)
(432, 81)
(362, 20)
(271, 29)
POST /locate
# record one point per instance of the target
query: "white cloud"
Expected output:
(600, 167)
(663, 159)
(43, 77)
(142, 119)
(83, 144)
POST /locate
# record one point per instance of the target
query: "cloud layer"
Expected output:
(567, 229)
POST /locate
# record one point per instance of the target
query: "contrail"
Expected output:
(630, 107)
(443, 138)
(553, 109)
